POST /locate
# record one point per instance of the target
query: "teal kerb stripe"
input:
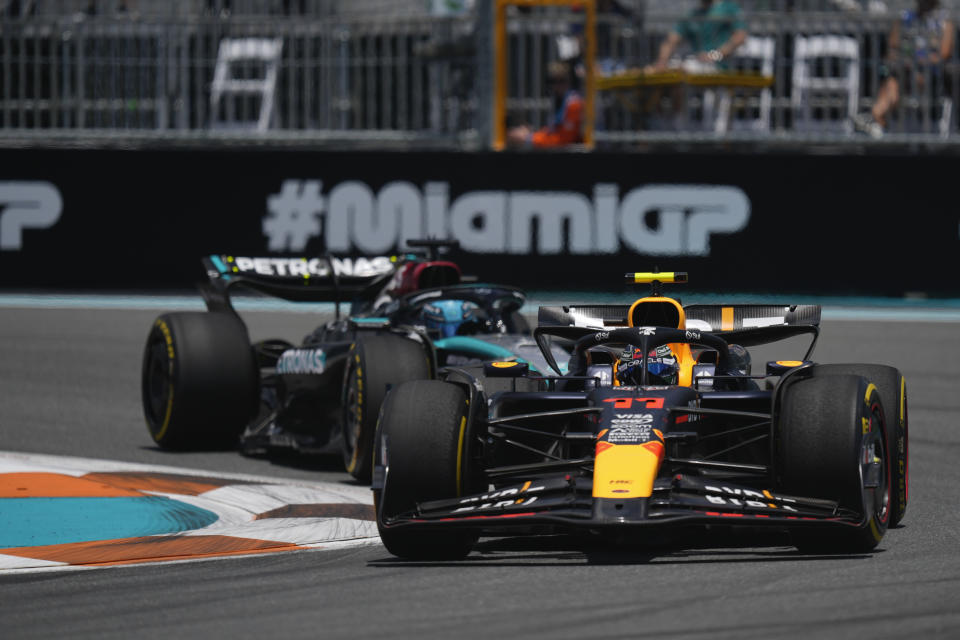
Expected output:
(218, 263)
(31, 522)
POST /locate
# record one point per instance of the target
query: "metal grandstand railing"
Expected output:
(412, 72)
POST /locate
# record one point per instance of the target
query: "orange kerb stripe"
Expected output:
(56, 485)
(160, 482)
(148, 549)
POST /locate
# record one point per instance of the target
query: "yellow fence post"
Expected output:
(500, 64)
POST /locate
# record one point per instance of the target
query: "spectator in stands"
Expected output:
(611, 16)
(566, 127)
(713, 30)
(918, 44)
(219, 7)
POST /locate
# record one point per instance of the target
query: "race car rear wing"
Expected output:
(300, 279)
(705, 317)
(595, 316)
(716, 317)
(744, 324)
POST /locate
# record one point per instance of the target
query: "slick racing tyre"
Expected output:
(893, 395)
(375, 363)
(831, 444)
(422, 442)
(200, 382)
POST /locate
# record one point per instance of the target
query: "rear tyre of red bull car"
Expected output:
(200, 381)
(375, 363)
(830, 443)
(422, 443)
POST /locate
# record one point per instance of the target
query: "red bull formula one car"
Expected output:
(658, 423)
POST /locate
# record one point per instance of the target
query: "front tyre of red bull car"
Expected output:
(831, 444)
(422, 451)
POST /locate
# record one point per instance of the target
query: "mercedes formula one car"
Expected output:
(205, 386)
(658, 423)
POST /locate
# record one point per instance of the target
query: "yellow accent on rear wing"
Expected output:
(646, 277)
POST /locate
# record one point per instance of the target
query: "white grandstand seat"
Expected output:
(946, 117)
(826, 82)
(756, 54)
(250, 52)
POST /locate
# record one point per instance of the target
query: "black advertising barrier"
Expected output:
(127, 220)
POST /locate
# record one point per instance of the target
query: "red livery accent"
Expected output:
(654, 447)
(502, 515)
(627, 403)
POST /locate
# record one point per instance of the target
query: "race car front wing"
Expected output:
(567, 502)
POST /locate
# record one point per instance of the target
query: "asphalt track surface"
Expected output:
(69, 385)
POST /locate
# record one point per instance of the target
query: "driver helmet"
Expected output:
(446, 316)
(662, 366)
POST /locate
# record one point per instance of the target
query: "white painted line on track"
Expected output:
(14, 564)
(34, 566)
(298, 531)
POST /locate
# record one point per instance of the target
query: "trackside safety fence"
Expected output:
(420, 74)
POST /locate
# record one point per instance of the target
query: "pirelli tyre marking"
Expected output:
(168, 338)
(879, 512)
(460, 439)
(358, 412)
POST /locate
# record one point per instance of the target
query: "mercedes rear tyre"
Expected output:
(423, 445)
(375, 363)
(200, 381)
(893, 395)
(831, 444)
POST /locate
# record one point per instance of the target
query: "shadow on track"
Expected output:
(681, 548)
(326, 463)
